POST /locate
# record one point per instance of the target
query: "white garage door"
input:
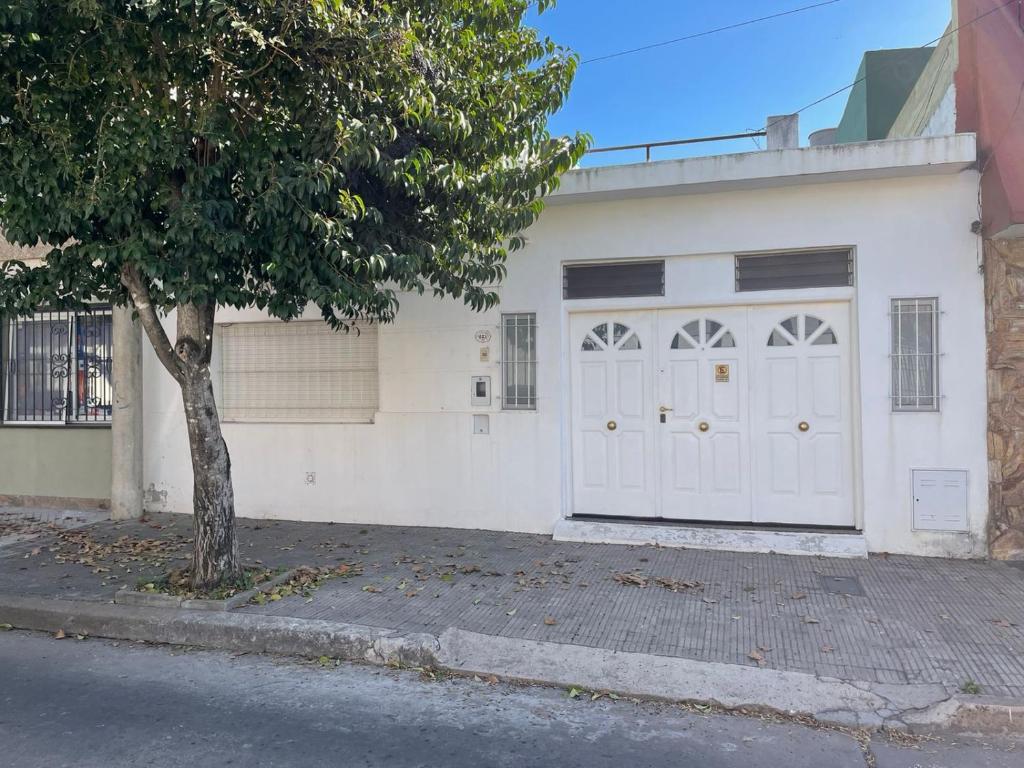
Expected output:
(714, 414)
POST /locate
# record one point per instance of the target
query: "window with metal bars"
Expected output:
(57, 368)
(915, 354)
(519, 361)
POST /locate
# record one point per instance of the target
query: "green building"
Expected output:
(884, 81)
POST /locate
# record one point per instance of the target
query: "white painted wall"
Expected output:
(943, 120)
(420, 464)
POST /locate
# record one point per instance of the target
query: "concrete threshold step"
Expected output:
(724, 538)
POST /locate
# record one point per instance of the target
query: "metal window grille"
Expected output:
(519, 362)
(915, 354)
(57, 368)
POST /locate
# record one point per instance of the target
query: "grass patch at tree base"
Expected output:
(178, 583)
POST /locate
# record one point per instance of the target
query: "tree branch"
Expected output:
(132, 280)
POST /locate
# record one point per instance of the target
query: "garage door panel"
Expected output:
(685, 387)
(783, 387)
(630, 388)
(703, 434)
(802, 435)
(685, 462)
(594, 389)
(826, 388)
(827, 455)
(728, 462)
(783, 463)
(725, 390)
(631, 460)
(595, 460)
(612, 430)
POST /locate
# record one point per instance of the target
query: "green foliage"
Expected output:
(274, 152)
(970, 687)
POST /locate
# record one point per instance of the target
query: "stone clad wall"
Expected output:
(1004, 289)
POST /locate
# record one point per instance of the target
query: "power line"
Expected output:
(860, 80)
(707, 32)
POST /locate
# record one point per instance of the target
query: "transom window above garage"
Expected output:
(703, 334)
(802, 329)
(622, 338)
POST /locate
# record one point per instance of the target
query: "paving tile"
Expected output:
(921, 620)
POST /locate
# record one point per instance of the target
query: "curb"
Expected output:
(733, 687)
(253, 633)
(987, 715)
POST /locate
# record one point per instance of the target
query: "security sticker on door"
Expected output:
(721, 373)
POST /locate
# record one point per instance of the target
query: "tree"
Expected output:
(180, 155)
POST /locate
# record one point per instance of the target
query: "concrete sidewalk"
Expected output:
(925, 627)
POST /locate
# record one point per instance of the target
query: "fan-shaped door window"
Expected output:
(703, 334)
(610, 336)
(802, 329)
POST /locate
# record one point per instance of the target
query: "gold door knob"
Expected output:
(612, 425)
(703, 426)
(803, 426)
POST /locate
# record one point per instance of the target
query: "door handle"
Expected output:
(803, 426)
(663, 409)
(612, 426)
(703, 426)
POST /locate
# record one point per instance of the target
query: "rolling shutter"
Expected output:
(798, 269)
(301, 371)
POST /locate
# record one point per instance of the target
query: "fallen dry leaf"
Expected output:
(59, 635)
(635, 579)
(827, 649)
(758, 657)
(798, 596)
(810, 620)
(550, 621)
(672, 585)
(630, 579)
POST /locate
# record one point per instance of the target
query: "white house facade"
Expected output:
(781, 350)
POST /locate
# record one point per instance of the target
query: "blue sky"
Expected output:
(726, 82)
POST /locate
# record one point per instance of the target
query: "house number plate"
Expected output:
(483, 336)
(721, 373)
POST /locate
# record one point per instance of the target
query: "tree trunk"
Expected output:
(215, 552)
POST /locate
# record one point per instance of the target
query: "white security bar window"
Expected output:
(519, 361)
(57, 368)
(301, 371)
(915, 354)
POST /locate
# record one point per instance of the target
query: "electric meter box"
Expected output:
(480, 394)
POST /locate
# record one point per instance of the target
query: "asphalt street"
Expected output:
(71, 702)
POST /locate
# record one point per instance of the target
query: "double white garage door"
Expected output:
(718, 414)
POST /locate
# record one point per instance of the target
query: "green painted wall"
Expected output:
(854, 124)
(884, 81)
(61, 462)
(67, 462)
